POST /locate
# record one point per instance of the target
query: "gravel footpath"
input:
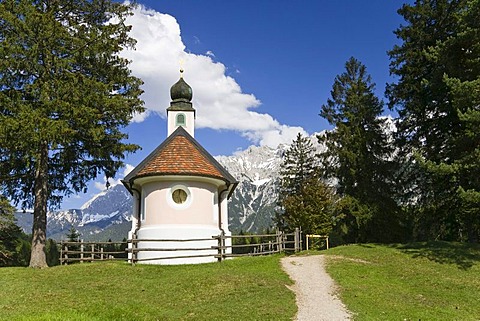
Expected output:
(314, 289)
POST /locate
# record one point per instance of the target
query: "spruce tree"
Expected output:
(52, 252)
(10, 234)
(65, 96)
(358, 155)
(437, 96)
(73, 236)
(304, 200)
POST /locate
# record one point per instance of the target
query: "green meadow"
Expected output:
(421, 281)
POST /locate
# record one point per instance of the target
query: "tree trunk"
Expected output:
(38, 257)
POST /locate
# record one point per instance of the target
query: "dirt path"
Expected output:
(314, 289)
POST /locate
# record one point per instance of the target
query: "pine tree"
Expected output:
(53, 255)
(358, 154)
(10, 234)
(299, 165)
(304, 200)
(437, 96)
(65, 95)
(73, 236)
(311, 208)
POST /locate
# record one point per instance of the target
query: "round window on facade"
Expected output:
(179, 196)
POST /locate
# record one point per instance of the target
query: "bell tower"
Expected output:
(181, 112)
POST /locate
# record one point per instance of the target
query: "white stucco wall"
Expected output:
(189, 121)
(198, 218)
(159, 208)
(176, 232)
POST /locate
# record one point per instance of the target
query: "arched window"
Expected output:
(180, 121)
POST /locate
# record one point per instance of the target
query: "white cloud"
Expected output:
(218, 99)
(138, 118)
(102, 185)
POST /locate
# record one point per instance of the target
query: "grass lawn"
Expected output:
(423, 281)
(241, 289)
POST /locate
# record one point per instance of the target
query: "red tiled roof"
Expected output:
(179, 157)
(180, 154)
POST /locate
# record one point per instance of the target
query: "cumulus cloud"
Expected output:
(112, 181)
(218, 99)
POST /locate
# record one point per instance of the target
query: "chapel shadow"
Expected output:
(463, 255)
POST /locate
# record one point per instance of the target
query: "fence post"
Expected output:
(295, 238)
(66, 254)
(300, 236)
(93, 252)
(276, 240)
(221, 246)
(81, 251)
(133, 247)
(61, 253)
(279, 240)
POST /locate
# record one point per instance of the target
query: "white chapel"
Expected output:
(180, 193)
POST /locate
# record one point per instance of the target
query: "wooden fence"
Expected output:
(226, 246)
(71, 252)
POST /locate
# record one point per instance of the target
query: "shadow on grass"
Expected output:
(464, 255)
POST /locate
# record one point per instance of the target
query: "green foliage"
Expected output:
(417, 281)
(358, 157)
(65, 95)
(52, 252)
(437, 96)
(304, 200)
(10, 235)
(299, 165)
(73, 235)
(252, 288)
(253, 239)
(311, 208)
(14, 243)
(116, 247)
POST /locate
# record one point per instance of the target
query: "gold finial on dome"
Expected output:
(181, 68)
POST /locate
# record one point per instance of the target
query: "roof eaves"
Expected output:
(180, 131)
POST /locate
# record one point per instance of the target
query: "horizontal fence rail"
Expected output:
(80, 251)
(219, 247)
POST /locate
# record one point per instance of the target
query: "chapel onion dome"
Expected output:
(181, 91)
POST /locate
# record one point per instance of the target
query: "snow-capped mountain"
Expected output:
(105, 216)
(257, 169)
(251, 209)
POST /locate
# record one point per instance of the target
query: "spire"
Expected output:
(181, 111)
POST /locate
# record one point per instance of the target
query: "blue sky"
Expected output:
(259, 70)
